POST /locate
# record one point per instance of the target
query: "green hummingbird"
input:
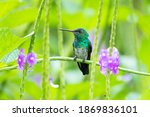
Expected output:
(82, 48)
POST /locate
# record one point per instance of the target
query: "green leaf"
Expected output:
(10, 57)
(7, 6)
(8, 41)
(18, 17)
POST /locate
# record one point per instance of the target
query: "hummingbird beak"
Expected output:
(66, 30)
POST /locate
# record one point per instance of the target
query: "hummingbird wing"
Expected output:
(83, 66)
(89, 50)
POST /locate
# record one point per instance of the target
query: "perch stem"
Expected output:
(58, 58)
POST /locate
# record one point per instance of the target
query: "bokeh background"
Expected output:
(132, 40)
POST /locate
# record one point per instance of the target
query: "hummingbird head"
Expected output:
(79, 33)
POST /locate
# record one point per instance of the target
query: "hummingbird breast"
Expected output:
(81, 53)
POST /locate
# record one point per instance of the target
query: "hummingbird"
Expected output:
(82, 48)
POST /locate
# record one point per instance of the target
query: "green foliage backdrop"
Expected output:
(17, 19)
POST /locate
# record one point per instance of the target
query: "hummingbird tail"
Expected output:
(84, 68)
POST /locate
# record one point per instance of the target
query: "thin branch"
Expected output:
(113, 27)
(60, 48)
(108, 86)
(94, 54)
(46, 52)
(58, 58)
(106, 25)
(36, 25)
(112, 44)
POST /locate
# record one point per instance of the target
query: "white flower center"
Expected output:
(103, 54)
(110, 61)
(115, 68)
(19, 60)
(31, 58)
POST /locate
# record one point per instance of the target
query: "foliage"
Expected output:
(17, 19)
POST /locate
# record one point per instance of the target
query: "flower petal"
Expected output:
(31, 59)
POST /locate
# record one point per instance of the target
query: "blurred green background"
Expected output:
(132, 40)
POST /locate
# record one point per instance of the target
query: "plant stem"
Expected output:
(106, 27)
(113, 27)
(29, 26)
(108, 86)
(22, 84)
(58, 58)
(94, 55)
(36, 25)
(46, 63)
(112, 44)
(60, 48)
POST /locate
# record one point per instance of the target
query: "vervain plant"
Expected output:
(108, 60)
(94, 55)
(36, 25)
(60, 48)
(46, 53)
(112, 44)
(59, 58)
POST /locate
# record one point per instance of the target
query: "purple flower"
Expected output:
(31, 59)
(109, 63)
(21, 59)
(103, 60)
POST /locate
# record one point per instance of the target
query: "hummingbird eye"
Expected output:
(80, 31)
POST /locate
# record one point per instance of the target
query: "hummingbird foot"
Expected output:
(75, 58)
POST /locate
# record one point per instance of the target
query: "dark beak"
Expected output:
(67, 30)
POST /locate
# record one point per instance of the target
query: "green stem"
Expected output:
(29, 26)
(60, 48)
(36, 25)
(113, 27)
(94, 56)
(57, 58)
(112, 44)
(108, 86)
(46, 63)
(22, 84)
(106, 27)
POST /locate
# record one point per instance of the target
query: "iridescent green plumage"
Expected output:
(82, 48)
